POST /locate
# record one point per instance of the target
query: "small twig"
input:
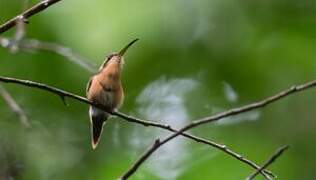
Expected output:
(18, 36)
(14, 107)
(228, 113)
(68, 53)
(277, 154)
(27, 13)
(20, 30)
(128, 118)
(63, 99)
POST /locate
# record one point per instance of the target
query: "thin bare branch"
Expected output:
(277, 154)
(27, 13)
(128, 118)
(68, 53)
(220, 147)
(14, 107)
(216, 117)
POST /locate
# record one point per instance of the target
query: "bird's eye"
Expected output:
(110, 56)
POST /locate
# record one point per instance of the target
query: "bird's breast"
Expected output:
(106, 91)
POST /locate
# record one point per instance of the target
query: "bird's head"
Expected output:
(117, 57)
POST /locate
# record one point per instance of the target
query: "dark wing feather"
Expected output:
(89, 85)
(97, 121)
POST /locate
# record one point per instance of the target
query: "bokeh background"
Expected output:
(194, 58)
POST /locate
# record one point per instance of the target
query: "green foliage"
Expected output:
(187, 51)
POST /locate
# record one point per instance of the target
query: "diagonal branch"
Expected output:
(220, 147)
(68, 53)
(277, 154)
(128, 118)
(27, 13)
(14, 107)
(216, 117)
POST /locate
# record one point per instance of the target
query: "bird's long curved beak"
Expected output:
(122, 51)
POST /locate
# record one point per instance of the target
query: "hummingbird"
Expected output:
(105, 88)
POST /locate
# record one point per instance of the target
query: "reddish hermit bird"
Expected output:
(105, 88)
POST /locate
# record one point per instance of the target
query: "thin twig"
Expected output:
(18, 36)
(128, 118)
(27, 13)
(20, 30)
(216, 117)
(277, 154)
(14, 107)
(68, 53)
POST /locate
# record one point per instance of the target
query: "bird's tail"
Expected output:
(97, 120)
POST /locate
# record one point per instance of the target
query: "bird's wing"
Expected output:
(89, 85)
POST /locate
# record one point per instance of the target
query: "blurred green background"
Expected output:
(194, 58)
